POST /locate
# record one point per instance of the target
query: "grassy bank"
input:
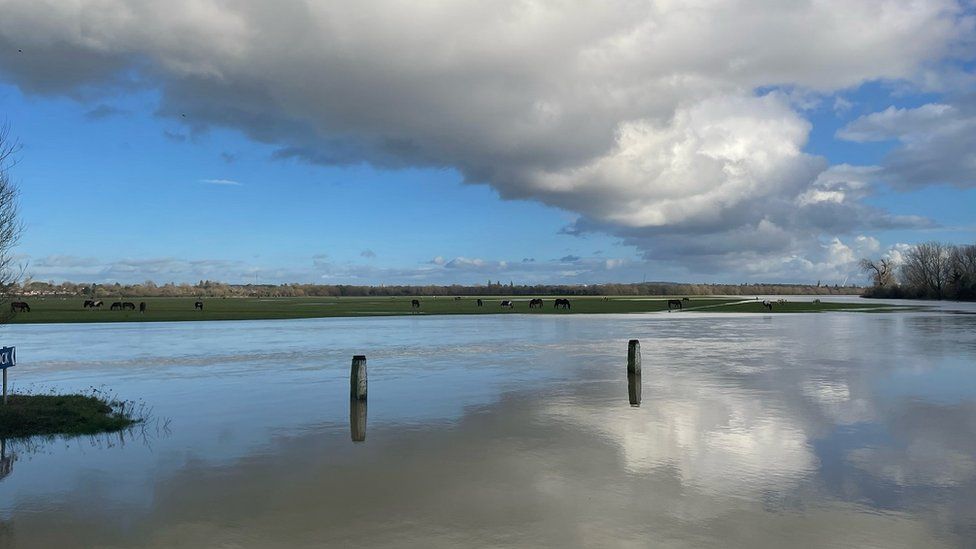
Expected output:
(30, 415)
(173, 309)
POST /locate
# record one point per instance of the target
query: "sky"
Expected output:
(531, 141)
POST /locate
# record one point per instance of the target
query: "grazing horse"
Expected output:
(415, 303)
(535, 303)
(89, 303)
(561, 303)
(685, 299)
(198, 305)
(97, 304)
(674, 303)
(481, 303)
(19, 307)
(142, 306)
(128, 305)
(508, 303)
(117, 306)
(458, 298)
(767, 304)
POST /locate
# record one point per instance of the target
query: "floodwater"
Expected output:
(799, 430)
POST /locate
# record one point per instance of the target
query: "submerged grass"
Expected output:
(27, 415)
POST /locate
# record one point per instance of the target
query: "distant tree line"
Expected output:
(930, 270)
(209, 288)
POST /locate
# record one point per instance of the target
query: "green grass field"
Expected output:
(180, 309)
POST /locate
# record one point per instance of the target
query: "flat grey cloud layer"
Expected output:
(641, 117)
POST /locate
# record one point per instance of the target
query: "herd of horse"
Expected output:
(536, 303)
(23, 307)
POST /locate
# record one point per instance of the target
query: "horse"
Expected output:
(767, 304)
(415, 303)
(535, 303)
(457, 298)
(142, 306)
(97, 304)
(685, 299)
(89, 303)
(128, 305)
(198, 305)
(117, 306)
(481, 303)
(674, 303)
(508, 303)
(19, 307)
(561, 303)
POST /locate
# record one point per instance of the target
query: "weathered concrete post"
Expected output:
(633, 357)
(357, 378)
(634, 389)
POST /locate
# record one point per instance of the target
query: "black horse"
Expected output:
(535, 303)
(128, 306)
(481, 303)
(674, 303)
(415, 303)
(89, 303)
(142, 306)
(198, 305)
(19, 307)
(117, 306)
(561, 303)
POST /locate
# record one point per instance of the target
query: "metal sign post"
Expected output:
(8, 358)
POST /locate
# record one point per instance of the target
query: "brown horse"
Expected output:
(536, 303)
(19, 307)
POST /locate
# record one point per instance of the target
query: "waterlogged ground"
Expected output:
(805, 430)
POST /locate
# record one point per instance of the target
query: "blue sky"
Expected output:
(378, 159)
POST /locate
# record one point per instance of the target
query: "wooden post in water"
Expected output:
(634, 389)
(357, 419)
(357, 378)
(633, 357)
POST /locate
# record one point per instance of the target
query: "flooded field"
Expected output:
(804, 430)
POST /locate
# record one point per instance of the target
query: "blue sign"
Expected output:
(8, 357)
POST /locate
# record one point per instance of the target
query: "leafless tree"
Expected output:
(928, 268)
(10, 226)
(882, 271)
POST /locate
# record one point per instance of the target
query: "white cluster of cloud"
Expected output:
(936, 143)
(647, 118)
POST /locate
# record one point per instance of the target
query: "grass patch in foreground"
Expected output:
(30, 415)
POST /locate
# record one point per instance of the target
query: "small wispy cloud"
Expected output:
(221, 182)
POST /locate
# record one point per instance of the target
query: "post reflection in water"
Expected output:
(357, 419)
(6, 462)
(634, 389)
